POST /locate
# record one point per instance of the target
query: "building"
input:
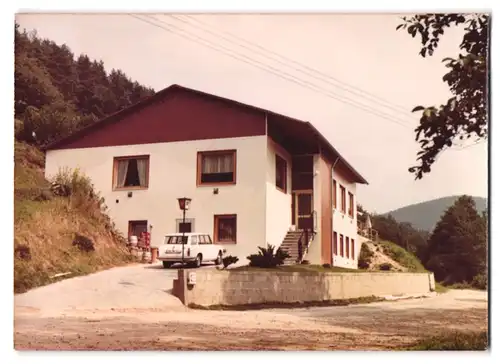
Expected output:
(254, 176)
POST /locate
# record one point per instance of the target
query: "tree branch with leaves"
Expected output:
(463, 116)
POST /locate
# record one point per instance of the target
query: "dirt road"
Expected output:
(101, 312)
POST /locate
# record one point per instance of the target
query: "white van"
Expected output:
(198, 249)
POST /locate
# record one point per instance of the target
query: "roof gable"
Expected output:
(178, 113)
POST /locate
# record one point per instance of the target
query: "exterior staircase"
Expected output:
(290, 245)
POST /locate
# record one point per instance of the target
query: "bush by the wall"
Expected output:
(268, 258)
(227, 261)
(385, 266)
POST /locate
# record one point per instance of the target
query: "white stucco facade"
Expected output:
(264, 212)
(278, 203)
(345, 224)
(172, 174)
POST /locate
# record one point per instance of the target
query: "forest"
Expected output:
(58, 92)
(456, 250)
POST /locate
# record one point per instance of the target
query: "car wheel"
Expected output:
(218, 261)
(197, 262)
(167, 264)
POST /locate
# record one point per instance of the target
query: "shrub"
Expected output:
(454, 341)
(385, 266)
(305, 262)
(326, 265)
(227, 261)
(23, 252)
(83, 243)
(268, 258)
(72, 182)
(480, 281)
(365, 257)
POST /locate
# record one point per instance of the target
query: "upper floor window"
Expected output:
(334, 188)
(281, 173)
(216, 167)
(342, 199)
(351, 205)
(131, 172)
(335, 243)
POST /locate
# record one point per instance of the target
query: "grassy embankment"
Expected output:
(45, 226)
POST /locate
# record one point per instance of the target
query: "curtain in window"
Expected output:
(121, 173)
(219, 163)
(142, 166)
(227, 229)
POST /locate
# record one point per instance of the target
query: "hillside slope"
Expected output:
(390, 254)
(45, 227)
(425, 215)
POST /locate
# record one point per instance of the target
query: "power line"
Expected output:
(309, 70)
(270, 69)
(480, 141)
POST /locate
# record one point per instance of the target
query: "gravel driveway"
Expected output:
(136, 286)
(131, 308)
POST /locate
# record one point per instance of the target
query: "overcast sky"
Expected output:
(357, 50)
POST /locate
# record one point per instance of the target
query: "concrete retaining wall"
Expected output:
(213, 287)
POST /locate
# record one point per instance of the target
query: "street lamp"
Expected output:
(184, 204)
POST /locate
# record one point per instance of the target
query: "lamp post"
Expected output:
(184, 204)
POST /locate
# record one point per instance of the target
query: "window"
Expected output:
(341, 243)
(184, 227)
(334, 243)
(347, 247)
(342, 198)
(217, 167)
(136, 228)
(131, 172)
(352, 249)
(351, 205)
(194, 240)
(176, 239)
(281, 173)
(225, 229)
(334, 194)
(205, 239)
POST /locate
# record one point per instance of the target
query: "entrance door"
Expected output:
(303, 209)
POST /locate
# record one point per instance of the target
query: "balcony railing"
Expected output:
(368, 233)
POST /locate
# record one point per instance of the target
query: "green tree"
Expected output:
(56, 94)
(464, 115)
(457, 246)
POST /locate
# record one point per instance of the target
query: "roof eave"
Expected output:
(360, 178)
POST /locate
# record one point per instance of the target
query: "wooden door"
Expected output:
(303, 209)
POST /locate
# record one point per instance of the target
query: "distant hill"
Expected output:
(425, 215)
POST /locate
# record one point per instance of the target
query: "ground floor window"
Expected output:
(225, 229)
(352, 249)
(341, 243)
(334, 243)
(136, 227)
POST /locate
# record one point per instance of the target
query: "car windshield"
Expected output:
(175, 239)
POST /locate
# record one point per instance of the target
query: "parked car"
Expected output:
(198, 249)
